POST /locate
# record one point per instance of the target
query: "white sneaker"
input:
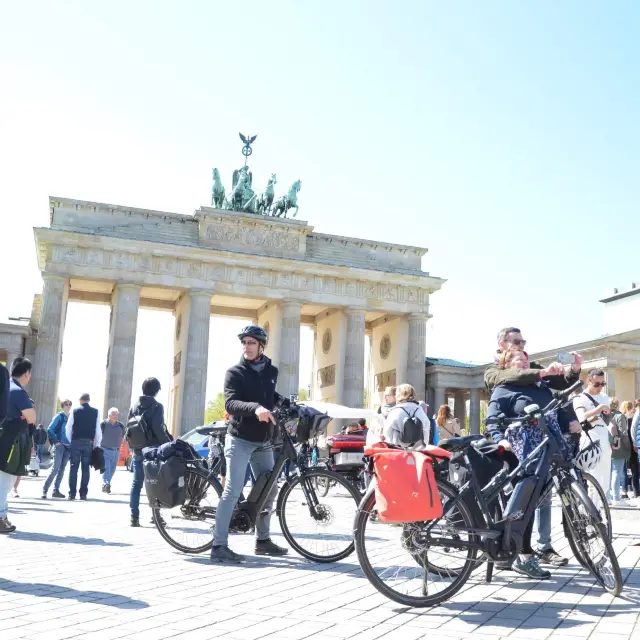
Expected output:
(14, 493)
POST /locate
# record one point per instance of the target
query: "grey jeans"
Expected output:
(238, 453)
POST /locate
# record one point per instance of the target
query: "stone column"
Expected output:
(194, 361)
(610, 378)
(416, 353)
(474, 411)
(46, 368)
(125, 301)
(439, 396)
(354, 359)
(288, 371)
(11, 356)
(312, 394)
(459, 408)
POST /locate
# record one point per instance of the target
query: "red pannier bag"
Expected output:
(406, 489)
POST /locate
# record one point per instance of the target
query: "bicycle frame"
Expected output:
(515, 521)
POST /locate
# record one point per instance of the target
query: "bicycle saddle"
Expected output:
(460, 443)
(212, 431)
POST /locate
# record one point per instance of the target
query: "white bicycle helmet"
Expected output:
(589, 457)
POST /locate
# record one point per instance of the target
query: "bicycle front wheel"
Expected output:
(318, 527)
(189, 526)
(599, 499)
(402, 560)
(588, 536)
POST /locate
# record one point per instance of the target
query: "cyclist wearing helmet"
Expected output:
(249, 396)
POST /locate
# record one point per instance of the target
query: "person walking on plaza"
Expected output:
(555, 377)
(620, 451)
(61, 451)
(84, 433)
(112, 434)
(152, 413)
(389, 401)
(40, 442)
(16, 435)
(448, 426)
(589, 408)
(633, 463)
(249, 397)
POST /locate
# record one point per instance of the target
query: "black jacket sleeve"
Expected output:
(157, 425)
(232, 402)
(4, 392)
(501, 403)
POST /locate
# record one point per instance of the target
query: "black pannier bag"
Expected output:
(164, 482)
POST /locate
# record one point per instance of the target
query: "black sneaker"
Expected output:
(269, 548)
(57, 494)
(551, 558)
(224, 554)
(530, 568)
(70, 497)
(44, 495)
(135, 522)
(107, 488)
(83, 498)
(104, 488)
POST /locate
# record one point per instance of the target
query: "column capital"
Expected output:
(416, 317)
(53, 276)
(290, 302)
(354, 310)
(127, 285)
(196, 293)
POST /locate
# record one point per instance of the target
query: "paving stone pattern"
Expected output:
(77, 570)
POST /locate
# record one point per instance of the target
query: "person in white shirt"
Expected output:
(589, 408)
(84, 433)
(407, 406)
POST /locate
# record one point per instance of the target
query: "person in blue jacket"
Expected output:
(61, 451)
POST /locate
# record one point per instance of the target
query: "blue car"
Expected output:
(198, 442)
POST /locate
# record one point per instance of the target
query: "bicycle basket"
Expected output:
(308, 424)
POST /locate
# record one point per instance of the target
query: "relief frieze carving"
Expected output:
(385, 379)
(327, 376)
(304, 285)
(232, 234)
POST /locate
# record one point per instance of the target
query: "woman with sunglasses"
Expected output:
(592, 406)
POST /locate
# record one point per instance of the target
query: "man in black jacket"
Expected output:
(153, 413)
(249, 396)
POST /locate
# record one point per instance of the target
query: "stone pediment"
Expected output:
(252, 233)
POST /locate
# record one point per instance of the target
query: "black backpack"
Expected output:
(411, 428)
(137, 433)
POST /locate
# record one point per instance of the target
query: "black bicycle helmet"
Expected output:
(254, 331)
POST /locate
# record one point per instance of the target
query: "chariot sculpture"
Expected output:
(243, 198)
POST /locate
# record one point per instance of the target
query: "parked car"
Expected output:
(198, 442)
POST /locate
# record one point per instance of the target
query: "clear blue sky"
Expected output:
(503, 136)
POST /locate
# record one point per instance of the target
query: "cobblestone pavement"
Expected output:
(77, 570)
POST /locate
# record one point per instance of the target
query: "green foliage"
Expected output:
(366, 398)
(303, 395)
(215, 409)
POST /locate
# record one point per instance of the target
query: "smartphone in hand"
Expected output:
(566, 358)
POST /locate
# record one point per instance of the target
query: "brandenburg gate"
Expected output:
(275, 271)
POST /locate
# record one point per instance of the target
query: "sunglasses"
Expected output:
(518, 342)
(597, 385)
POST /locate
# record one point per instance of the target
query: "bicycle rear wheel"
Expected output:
(318, 527)
(588, 537)
(404, 564)
(189, 527)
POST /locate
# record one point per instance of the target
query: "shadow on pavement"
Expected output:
(295, 562)
(33, 536)
(28, 509)
(65, 593)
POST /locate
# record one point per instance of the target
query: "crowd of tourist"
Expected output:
(75, 434)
